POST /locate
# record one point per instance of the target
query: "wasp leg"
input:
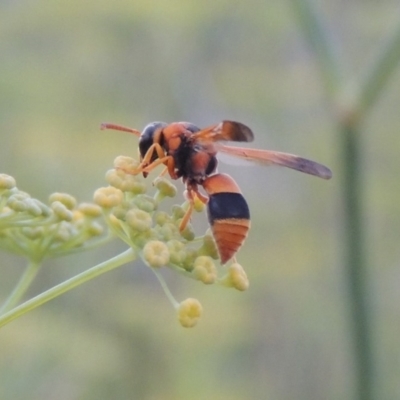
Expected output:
(163, 172)
(190, 191)
(149, 155)
(200, 196)
(189, 211)
(165, 160)
(146, 165)
(145, 162)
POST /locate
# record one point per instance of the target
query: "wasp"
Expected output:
(190, 153)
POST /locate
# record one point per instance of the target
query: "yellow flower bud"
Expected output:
(191, 255)
(33, 207)
(7, 212)
(177, 212)
(78, 217)
(209, 248)
(139, 188)
(165, 186)
(33, 233)
(64, 198)
(108, 197)
(161, 217)
(124, 181)
(236, 277)
(156, 253)
(90, 210)
(18, 201)
(114, 177)
(198, 204)
(44, 209)
(143, 238)
(138, 220)
(6, 182)
(167, 231)
(204, 270)
(125, 163)
(63, 234)
(189, 312)
(95, 229)
(114, 222)
(120, 211)
(188, 233)
(177, 252)
(61, 211)
(145, 203)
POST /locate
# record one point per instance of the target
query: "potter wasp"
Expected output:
(190, 153)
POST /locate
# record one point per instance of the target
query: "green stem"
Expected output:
(92, 243)
(22, 286)
(380, 70)
(318, 38)
(353, 235)
(164, 286)
(355, 263)
(123, 258)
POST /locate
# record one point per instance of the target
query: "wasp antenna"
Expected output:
(116, 127)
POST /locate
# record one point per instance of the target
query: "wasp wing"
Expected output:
(269, 157)
(225, 131)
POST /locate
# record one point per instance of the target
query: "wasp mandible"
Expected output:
(190, 153)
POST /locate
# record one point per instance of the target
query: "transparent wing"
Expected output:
(269, 157)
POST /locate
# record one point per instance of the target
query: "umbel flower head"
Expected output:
(137, 217)
(36, 230)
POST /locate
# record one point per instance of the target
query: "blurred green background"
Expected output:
(67, 66)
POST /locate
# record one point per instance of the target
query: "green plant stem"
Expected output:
(353, 235)
(164, 286)
(355, 264)
(123, 258)
(379, 71)
(22, 286)
(319, 41)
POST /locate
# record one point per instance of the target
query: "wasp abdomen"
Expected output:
(227, 205)
(228, 215)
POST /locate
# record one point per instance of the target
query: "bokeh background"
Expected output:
(67, 66)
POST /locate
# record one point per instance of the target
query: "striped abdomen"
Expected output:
(228, 214)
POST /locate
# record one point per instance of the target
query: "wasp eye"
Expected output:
(147, 137)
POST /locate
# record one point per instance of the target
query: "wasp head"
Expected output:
(147, 137)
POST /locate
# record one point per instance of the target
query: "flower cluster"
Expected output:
(135, 216)
(35, 230)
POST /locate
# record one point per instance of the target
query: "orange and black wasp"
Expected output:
(190, 153)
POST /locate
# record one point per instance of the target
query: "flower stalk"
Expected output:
(21, 287)
(121, 259)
